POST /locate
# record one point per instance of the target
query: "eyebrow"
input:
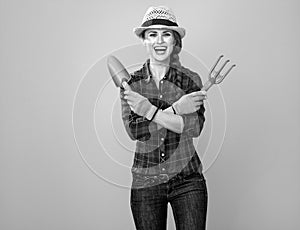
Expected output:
(165, 31)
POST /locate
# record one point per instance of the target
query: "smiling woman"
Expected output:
(162, 109)
(159, 44)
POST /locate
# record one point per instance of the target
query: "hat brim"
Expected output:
(139, 30)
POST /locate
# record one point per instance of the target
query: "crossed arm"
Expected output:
(137, 113)
(187, 104)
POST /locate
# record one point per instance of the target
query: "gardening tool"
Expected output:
(215, 77)
(118, 72)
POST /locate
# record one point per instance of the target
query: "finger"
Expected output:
(198, 93)
(203, 92)
(198, 99)
(130, 97)
(126, 86)
(202, 97)
(193, 94)
(127, 97)
(198, 104)
(132, 108)
(130, 102)
(128, 92)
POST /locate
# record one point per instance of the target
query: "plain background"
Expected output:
(48, 46)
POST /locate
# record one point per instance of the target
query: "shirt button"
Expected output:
(163, 169)
(162, 139)
(161, 81)
(160, 96)
(162, 154)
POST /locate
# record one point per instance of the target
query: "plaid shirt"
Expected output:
(161, 151)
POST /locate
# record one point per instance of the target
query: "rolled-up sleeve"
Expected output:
(137, 127)
(194, 122)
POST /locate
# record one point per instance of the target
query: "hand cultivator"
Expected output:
(215, 77)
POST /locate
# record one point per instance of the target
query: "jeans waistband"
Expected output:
(163, 177)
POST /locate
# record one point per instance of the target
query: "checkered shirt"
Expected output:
(162, 151)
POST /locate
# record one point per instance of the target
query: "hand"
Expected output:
(190, 103)
(126, 86)
(138, 103)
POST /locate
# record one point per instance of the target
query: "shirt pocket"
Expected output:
(174, 93)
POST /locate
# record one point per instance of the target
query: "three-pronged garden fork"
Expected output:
(215, 77)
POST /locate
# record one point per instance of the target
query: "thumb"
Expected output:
(126, 86)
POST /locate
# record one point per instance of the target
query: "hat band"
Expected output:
(164, 22)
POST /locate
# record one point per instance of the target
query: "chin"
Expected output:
(161, 58)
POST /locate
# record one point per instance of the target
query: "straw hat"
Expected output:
(159, 17)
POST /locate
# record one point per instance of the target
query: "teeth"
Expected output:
(160, 48)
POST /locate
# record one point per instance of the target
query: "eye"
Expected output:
(168, 34)
(151, 34)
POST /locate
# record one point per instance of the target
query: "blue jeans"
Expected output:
(188, 198)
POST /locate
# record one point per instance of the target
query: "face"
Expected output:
(159, 44)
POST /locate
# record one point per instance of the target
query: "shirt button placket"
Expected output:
(160, 89)
(162, 153)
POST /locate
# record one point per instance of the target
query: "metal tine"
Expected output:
(218, 76)
(219, 80)
(214, 66)
(222, 68)
(229, 70)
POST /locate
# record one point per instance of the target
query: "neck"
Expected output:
(159, 68)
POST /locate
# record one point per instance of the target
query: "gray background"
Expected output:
(48, 46)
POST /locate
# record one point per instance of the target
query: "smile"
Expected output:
(160, 49)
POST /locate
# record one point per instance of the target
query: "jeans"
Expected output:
(188, 198)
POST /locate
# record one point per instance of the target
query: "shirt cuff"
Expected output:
(151, 112)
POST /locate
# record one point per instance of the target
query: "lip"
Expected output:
(160, 48)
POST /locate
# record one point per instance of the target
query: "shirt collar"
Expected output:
(146, 73)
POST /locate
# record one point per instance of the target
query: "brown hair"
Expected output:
(174, 58)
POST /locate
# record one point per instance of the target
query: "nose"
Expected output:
(160, 39)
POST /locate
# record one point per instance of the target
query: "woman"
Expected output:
(162, 109)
